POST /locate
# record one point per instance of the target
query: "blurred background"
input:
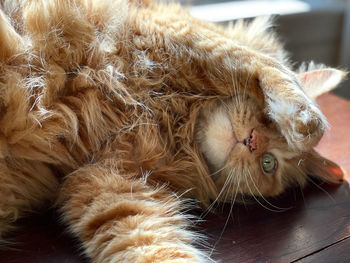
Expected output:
(317, 30)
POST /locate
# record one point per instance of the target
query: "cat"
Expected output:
(115, 111)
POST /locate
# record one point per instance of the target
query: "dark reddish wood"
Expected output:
(41, 239)
(315, 228)
(338, 252)
(254, 234)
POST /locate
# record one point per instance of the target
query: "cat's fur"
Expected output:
(109, 110)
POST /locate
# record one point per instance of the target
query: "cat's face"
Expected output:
(246, 153)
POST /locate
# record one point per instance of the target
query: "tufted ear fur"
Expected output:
(318, 81)
(318, 166)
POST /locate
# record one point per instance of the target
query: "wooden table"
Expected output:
(314, 228)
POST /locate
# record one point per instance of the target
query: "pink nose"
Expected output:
(252, 141)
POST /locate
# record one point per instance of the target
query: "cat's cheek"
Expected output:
(218, 139)
(216, 149)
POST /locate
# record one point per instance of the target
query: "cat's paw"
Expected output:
(297, 116)
(300, 122)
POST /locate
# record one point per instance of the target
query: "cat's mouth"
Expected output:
(250, 141)
(219, 140)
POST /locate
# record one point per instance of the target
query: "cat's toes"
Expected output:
(309, 129)
(302, 125)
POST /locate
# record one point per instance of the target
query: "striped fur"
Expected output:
(100, 107)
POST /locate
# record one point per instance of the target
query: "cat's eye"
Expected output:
(268, 163)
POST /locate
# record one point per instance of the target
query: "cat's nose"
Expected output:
(252, 141)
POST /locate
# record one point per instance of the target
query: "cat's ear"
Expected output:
(318, 81)
(325, 169)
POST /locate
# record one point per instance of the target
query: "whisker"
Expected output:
(210, 207)
(246, 84)
(219, 170)
(320, 188)
(233, 92)
(228, 181)
(277, 209)
(231, 179)
(309, 179)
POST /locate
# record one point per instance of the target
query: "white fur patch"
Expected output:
(219, 138)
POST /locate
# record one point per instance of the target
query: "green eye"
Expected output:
(268, 163)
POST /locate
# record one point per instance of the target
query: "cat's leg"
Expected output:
(125, 220)
(298, 117)
(24, 187)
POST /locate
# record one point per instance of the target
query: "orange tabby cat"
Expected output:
(112, 109)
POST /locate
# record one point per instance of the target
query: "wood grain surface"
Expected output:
(310, 225)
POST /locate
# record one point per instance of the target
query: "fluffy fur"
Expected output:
(109, 110)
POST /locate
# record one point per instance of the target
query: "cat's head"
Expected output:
(246, 152)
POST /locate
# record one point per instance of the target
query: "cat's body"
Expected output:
(109, 108)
